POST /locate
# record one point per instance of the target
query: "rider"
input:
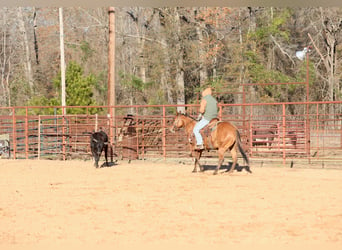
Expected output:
(207, 111)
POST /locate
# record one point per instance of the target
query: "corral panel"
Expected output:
(283, 131)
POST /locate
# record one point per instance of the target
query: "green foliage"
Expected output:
(20, 91)
(260, 74)
(275, 27)
(42, 101)
(218, 85)
(157, 98)
(146, 92)
(79, 92)
(101, 88)
(79, 88)
(134, 83)
(301, 75)
(87, 51)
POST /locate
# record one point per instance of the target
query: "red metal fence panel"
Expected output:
(283, 131)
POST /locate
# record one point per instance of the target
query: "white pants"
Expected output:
(199, 125)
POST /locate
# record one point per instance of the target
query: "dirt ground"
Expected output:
(160, 204)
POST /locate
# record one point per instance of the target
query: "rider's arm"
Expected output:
(202, 107)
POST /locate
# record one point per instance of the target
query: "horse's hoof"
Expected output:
(215, 173)
(194, 171)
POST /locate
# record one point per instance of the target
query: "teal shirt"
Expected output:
(211, 108)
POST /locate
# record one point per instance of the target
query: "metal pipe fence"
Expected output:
(283, 131)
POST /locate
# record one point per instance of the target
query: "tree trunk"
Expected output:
(202, 54)
(165, 74)
(242, 67)
(179, 66)
(142, 69)
(35, 36)
(28, 66)
(7, 85)
(214, 62)
(251, 29)
(111, 72)
(331, 33)
(4, 64)
(165, 77)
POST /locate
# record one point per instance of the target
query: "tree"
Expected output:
(179, 50)
(79, 89)
(23, 31)
(322, 29)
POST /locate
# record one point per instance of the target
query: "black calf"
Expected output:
(99, 142)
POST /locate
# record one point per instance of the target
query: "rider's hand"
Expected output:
(199, 116)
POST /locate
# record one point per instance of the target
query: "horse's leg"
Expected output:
(197, 154)
(111, 152)
(221, 152)
(198, 162)
(233, 152)
(96, 157)
(106, 153)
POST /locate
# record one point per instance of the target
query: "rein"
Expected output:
(187, 122)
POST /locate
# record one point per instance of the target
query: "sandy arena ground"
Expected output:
(163, 205)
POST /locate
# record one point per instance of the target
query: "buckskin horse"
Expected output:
(222, 136)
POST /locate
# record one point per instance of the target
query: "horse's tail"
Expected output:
(239, 144)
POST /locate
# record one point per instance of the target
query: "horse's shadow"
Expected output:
(110, 164)
(227, 167)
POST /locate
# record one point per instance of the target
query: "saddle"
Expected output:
(206, 133)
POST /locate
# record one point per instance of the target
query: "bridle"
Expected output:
(172, 129)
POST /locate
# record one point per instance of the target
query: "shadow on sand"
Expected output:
(110, 164)
(227, 167)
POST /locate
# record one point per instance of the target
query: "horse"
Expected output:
(223, 136)
(263, 136)
(266, 136)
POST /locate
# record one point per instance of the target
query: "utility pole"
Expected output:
(61, 39)
(111, 71)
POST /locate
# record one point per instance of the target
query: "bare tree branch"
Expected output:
(147, 39)
(101, 24)
(282, 50)
(317, 49)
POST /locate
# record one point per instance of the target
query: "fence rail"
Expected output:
(285, 131)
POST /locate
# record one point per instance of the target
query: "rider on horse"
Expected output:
(207, 112)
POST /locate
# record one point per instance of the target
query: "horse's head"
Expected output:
(178, 122)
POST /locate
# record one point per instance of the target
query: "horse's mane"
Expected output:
(187, 115)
